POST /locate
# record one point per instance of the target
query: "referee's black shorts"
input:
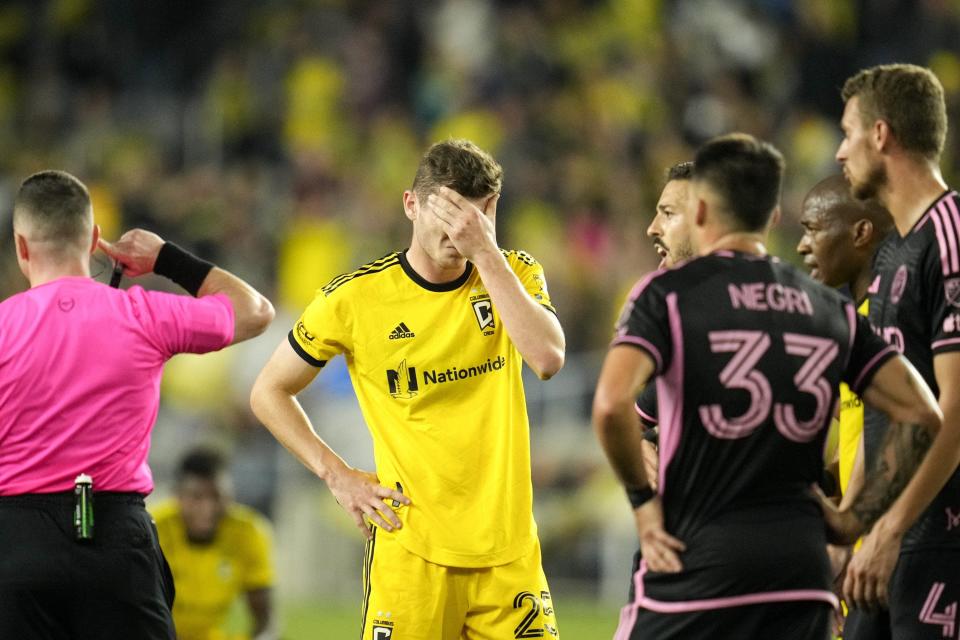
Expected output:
(117, 586)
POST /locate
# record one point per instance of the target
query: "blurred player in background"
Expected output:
(748, 354)
(840, 236)
(217, 550)
(79, 395)
(894, 124)
(671, 239)
(435, 337)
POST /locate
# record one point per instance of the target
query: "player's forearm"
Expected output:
(253, 313)
(931, 475)
(260, 602)
(621, 439)
(903, 449)
(532, 328)
(915, 419)
(282, 415)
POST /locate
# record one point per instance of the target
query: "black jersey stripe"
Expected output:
(343, 277)
(369, 265)
(367, 585)
(373, 267)
(330, 288)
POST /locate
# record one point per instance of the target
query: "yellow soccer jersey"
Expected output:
(851, 424)
(209, 578)
(439, 384)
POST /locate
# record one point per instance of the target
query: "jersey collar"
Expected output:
(434, 286)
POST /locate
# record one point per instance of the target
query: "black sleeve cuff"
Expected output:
(652, 436)
(866, 376)
(309, 359)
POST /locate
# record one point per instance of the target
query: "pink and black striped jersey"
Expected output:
(749, 353)
(915, 305)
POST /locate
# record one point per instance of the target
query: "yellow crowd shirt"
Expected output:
(851, 424)
(210, 577)
(439, 384)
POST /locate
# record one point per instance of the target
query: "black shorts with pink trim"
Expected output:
(781, 620)
(743, 571)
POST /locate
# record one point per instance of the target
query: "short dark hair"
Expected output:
(841, 203)
(909, 99)
(746, 173)
(459, 165)
(680, 171)
(203, 463)
(56, 205)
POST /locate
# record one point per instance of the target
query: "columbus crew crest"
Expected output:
(483, 310)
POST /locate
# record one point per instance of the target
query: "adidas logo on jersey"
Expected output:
(400, 332)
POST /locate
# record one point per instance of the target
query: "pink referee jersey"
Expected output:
(80, 367)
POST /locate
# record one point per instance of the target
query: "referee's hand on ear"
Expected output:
(136, 250)
(139, 250)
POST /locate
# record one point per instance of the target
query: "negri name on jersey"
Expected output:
(769, 296)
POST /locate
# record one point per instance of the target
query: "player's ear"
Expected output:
(700, 214)
(95, 238)
(410, 204)
(490, 207)
(775, 218)
(881, 135)
(23, 251)
(862, 233)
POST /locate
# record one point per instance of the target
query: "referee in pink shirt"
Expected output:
(80, 366)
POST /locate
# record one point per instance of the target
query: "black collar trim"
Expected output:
(434, 286)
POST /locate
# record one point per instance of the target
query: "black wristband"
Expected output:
(652, 436)
(639, 497)
(182, 267)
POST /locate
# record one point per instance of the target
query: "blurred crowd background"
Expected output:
(275, 137)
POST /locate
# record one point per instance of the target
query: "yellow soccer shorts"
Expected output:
(408, 598)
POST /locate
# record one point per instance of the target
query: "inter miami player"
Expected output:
(748, 354)
(894, 125)
(671, 239)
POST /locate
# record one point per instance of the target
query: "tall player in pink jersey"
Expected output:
(80, 366)
(895, 124)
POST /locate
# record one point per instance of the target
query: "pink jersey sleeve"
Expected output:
(183, 324)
